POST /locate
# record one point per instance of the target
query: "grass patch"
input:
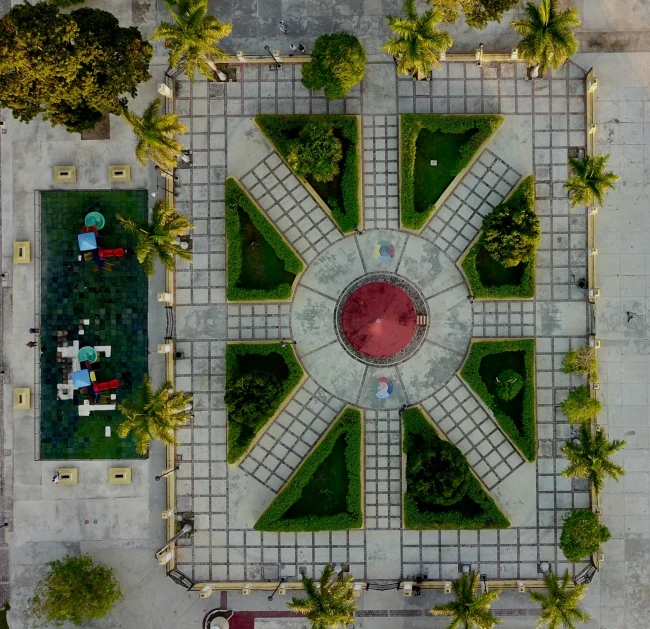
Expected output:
(476, 510)
(341, 194)
(452, 140)
(325, 492)
(242, 358)
(486, 360)
(265, 271)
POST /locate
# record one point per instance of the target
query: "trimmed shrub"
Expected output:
(282, 130)
(579, 407)
(349, 425)
(522, 433)
(338, 64)
(582, 535)
(475, 509)
(583, 362)
(411, 125)
(241, 435)
(236, 200)
(316, 152)
(509, 383)
(511, 231)
(251, 395)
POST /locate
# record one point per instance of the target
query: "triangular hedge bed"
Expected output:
(517, 416)
(336, 460)
(452, 141)
(474, 510)
(344, 189)
(265, 271)
(488, 278)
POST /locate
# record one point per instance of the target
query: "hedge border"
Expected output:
(238, 198)
(289, 385)
(410, 127)
(416, 421)
(349, 422)
(350, 127)
(526, 443)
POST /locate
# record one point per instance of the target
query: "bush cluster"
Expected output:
(509, 383)
(316, 152)
(411, 125)
(526, 439)
(280, 129)
(251, 395)
(241, 435)
(580, 407)
(582, 535)
(420, 436)
(583, 362)
(348, 424)
(237, 199)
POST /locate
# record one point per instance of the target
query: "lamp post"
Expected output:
(167, 472)
(277, 587)
(277, 63)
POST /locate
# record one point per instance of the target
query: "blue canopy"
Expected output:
(87, 242)
(81, 379)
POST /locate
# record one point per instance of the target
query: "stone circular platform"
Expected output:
(404, 366)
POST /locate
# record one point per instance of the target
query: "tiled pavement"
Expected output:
(265, 321)
(503, 319)
(220, 548)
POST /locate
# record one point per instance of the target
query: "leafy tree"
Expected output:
(157, 239)
(154, 414)
(438, 474)
(338, 64)
(418, 44)
(468, 610)
(560, 603)
(478, 13)
(583, 362)
(192, 37)
(509, 383)
(74, 590)
(155, 134)
(253, 394)
(590, 182)
(548, 40)
(70, 68)
(582, 535)
(62, 4)
(590, 457)
(579, 406)
(511, 232)
(316, 152)
(331, 605)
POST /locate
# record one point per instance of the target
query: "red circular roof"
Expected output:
(378, 319)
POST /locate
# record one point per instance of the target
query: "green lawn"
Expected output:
(116, 303)
(476, 510)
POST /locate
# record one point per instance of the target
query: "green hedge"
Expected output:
(349, 424)
(277, 128)
(525, 289)
(237, 199)
(239, 440)
(411, 125)
(526, 439)
(418, 430)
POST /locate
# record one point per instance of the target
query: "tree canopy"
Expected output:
(509, 383)
(590, 181)
(316, 152)
(72, 68)
(478, 13)
(582, 535)
(253, 394)
(579, 406)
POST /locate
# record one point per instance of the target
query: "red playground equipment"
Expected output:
(98, 387)
(111, 253)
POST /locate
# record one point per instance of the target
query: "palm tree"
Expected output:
(329, 604)
(154, 415)
(418, 44)
(548, 40)
(468, 610)
(560, 604)
(155, 133)
(589, 457)
(158, 238)
(590, 181)
(192, 37)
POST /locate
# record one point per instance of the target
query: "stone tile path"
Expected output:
(265, 321)
(502, 319)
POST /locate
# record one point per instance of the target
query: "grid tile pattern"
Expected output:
(292, 435)
(503, 319)
(302, 221)
(459, 220)
(383, 470)
(259, 322)
(380, 163)
(466, 423)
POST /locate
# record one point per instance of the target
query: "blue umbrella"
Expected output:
(87, 242)
(81, 379)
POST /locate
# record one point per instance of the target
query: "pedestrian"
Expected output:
(293, 47)
(283, 27)
(34, 330)
(301, 48)
(57, 477)
(31, 344)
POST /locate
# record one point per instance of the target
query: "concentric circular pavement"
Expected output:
(400, 365)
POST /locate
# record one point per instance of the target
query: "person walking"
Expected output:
(293, 47)
(34, 330)
(31, 344)
(283, 27)
(57, 477)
